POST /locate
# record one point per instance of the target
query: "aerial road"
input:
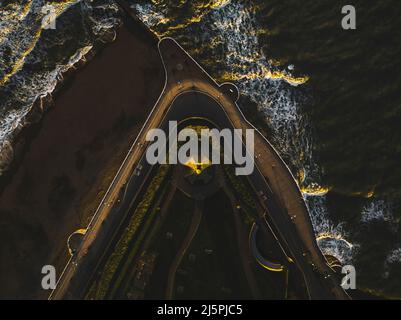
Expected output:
(189, 93)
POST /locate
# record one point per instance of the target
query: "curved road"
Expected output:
(190, 92)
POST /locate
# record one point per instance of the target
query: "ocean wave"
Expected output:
(21, 32)
(394, 256)
(377, 209)
(332, 239)
(35, 58)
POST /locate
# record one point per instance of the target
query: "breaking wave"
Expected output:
(394, 256)
(34, 57)
(377, 209)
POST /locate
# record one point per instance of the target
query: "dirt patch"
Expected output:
(72, 156)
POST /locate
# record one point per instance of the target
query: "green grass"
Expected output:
(133, 251)
(100, 288)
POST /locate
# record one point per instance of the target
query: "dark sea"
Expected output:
(231, 40)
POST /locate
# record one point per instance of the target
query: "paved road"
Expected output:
(193, 228)
(242, 243)
(189, 92)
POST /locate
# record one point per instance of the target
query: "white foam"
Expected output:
(20, 34)
(394, 256)
(377, 209)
